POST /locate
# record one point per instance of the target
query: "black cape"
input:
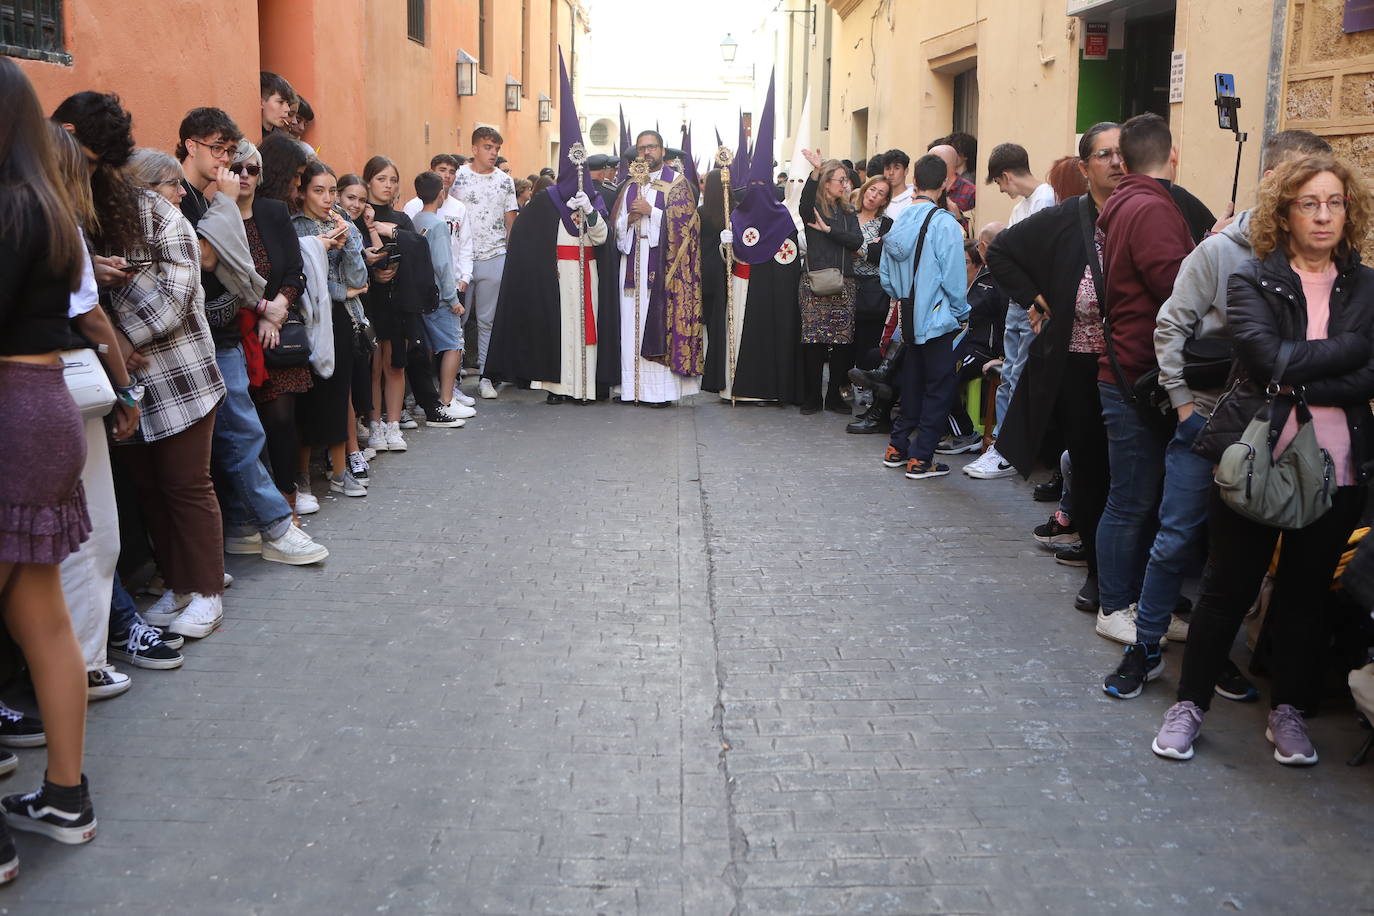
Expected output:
(768, 362)
(527, 331)
(608, 303)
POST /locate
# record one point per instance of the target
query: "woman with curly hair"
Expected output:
(1304, 305)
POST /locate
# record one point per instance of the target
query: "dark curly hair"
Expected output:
(102, 126)
(281, 157)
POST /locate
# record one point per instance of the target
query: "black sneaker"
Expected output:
(9, 762)
(1071, 556)
(920, 470)
(1056, 533)
(63, 813)
(1233, 685)
(1138, 666)
(1050, 491)
(9, 856)
(19, 730)
(1086, 599)
(443, 419)
(143, 647)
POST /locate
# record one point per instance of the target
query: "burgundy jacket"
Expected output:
(1147, 239)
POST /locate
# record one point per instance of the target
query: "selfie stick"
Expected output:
(1230, 104)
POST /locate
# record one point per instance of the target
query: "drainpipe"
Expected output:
(1273, 89)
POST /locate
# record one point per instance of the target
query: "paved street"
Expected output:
(703, 660)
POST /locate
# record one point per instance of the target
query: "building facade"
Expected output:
(381, 75)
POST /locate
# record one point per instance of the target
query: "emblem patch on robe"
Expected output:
(750, 237)
(787, 252)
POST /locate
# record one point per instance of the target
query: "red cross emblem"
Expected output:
(787, 252)
(750, 237)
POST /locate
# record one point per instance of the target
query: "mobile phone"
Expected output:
(1227, 101)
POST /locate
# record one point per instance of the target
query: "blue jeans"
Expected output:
(926, 385)
(1016, 341)
(1136, 461)
(1182, 521)
(248, 498)
(123, 612)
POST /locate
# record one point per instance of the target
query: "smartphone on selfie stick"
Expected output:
(1228, 118)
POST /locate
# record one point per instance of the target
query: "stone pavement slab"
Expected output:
(703, 660)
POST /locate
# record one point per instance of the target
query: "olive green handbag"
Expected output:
(1291, 491)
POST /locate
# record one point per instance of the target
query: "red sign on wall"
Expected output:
(1095, 41)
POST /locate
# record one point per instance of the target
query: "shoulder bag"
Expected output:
(1291, 491)
(293, 346)
(86, 380)
(1147, 396)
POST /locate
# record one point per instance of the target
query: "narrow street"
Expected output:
(701, 660)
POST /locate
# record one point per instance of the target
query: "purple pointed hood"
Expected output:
(739, 168)
(760, 223)
(689, 162)
(570, 133)
(622, 171)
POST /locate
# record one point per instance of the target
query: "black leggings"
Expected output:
(283, 440)
(1078, 412)
(814, 357)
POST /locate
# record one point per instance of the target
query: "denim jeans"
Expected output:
(249, 499)
(1135, 458)
(927, 385)
(123, 611)
(1016, 343)
(1182, 523)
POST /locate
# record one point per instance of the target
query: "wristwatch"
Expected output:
(129, 395)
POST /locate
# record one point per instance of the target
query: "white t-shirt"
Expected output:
(1040, 198)
(899, 203)
(455, 214)
(86, 297)
(488, 199)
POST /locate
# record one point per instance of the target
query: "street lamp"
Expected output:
(728, 47)
(545, 108)
(512, 94)
(467, 74)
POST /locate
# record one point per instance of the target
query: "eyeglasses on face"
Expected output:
(240, 168)
(648, 147)
(1106, 155)
(843, 179)
(218, 150)
(164, 183)
(1308, 206)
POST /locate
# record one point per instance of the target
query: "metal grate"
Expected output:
(415, 20)
(33, 29)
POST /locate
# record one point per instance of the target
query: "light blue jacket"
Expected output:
(939, 281)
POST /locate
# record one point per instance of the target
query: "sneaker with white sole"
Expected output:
(1182, 722)
(201, 616)
(1178, 629)
(959, 445)
(357, 466)
(445, 420)
(9, 762)
(989, 466)
(103, 683)
(457, 408)
(394, 441)
(346, 485)
(1118, 626)
(142, 647)
(306, 503)
(248, 545)
(464, 399)
(167, 608)
(1287, 731)
(294, 548)
(19, 730)
(407, 421)
(63, 813)
(376, 440)
(9, 854)
(486, 389)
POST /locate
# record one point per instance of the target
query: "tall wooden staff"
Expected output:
(727, 254)
(577, 155)
(639, 174)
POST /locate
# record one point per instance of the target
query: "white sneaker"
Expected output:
(294, 548)
(377, 439)
(486, 389)
(1118, 626)
(346, 485)
(369, 453)
(363, 431)
(407, 421)
(306, 503)
(1178, 629)
(457, 408)
(200, 618)
(106, 682)
(989, 466)
(167, 608)
(249, 545)
(461, 398)
(228, 579)
(394, 440)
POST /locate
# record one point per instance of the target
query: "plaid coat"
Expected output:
(162, 312)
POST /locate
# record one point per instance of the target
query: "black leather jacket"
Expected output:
(833, 248)
(1265, 306)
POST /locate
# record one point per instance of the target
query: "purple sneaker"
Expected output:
(1182, 722)
(1288, 732)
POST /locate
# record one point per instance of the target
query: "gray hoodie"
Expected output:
(1197, 306)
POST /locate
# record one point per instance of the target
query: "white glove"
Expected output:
(727, 237)
(580, 202)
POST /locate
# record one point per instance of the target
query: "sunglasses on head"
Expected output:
(238, 168)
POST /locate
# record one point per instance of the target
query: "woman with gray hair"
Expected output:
(157, 171)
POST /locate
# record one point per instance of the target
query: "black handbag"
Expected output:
(293, 345)
(1207, 362)
(871, 301)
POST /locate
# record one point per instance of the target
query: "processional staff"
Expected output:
(727, 254)
(577, 155)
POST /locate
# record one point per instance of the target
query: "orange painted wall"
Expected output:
(161, 58)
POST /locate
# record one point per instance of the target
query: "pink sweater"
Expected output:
(1329, 423)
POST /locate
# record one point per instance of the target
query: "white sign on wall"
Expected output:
(1176, 77)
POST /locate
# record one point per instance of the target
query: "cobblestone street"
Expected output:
(705, 660)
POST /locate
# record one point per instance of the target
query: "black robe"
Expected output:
(767, 366)
(527, 331)
(608, 303)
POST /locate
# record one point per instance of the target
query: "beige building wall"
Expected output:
(1329, 80)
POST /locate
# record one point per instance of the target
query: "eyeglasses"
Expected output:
(240, 168)
(1308, 206)
(166, 182)
(1106, 155)
(218, 150)
(646, 148)
(840, 178)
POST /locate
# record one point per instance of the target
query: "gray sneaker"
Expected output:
(1288, 732)
(1182, 722)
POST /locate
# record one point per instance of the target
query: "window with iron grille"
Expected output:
(33, 29)
(415, 20)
